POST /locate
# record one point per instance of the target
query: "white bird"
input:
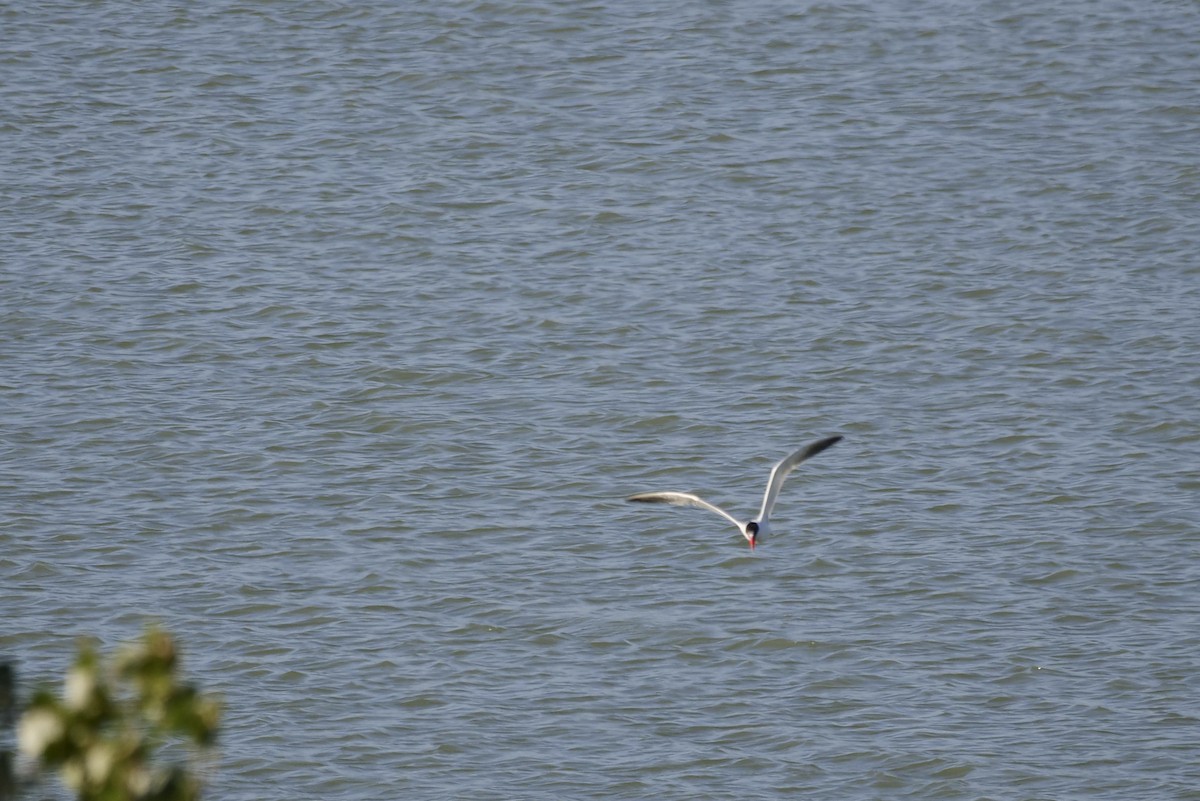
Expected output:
(756, 530)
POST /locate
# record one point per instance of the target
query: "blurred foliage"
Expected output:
(8, 709)
(104, 732)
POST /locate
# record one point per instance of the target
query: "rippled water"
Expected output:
(333, 335)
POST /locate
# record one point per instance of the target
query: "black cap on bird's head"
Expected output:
(752, 533)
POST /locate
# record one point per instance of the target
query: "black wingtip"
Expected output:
(822, 444)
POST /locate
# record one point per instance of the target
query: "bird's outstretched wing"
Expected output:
(683, 499)
(780, 471)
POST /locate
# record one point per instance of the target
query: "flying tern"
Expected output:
(756, 530)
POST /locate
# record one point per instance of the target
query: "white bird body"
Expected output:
(756, 530)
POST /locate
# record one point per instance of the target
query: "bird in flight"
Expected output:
(756, 530)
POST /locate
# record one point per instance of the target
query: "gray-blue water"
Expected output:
(333, 335)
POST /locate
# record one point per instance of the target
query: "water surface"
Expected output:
(332, 336)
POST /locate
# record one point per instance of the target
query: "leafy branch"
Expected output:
(104, 732)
